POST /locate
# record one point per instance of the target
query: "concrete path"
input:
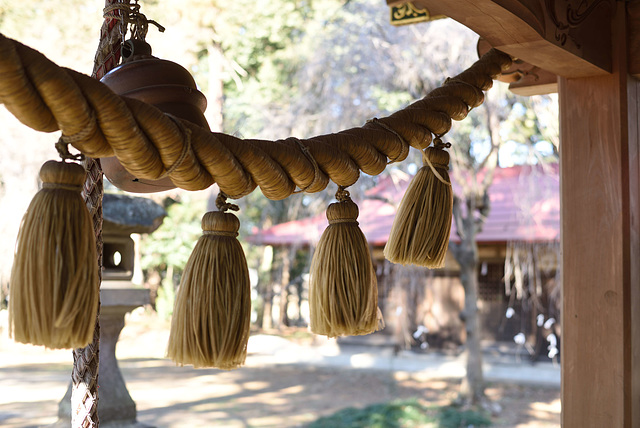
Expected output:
(269, 350)
(33, 379)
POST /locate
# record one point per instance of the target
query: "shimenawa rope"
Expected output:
(47, 97)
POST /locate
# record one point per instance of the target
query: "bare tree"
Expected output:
(473, 171)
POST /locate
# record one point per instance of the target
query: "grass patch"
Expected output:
(403, 414)
(454, 417)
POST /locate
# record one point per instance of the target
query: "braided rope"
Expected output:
(112, 33)
(46, 97)
(86, 361)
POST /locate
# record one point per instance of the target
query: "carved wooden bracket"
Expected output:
(569, 38)
(523, 78)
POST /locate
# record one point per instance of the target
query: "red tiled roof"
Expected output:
(525, 206)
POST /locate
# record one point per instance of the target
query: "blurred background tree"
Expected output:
(273, 69)
(166, 251)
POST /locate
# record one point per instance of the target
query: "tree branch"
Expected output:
(457, 217)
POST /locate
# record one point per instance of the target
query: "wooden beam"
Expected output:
(535, 82)
(600, 187)
(633, 97)
(569, 42)
(633, 37)
(594, 284)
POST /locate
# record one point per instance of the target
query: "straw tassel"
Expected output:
(212, 312)
(54, 288)
(421, 228)
(343, 292)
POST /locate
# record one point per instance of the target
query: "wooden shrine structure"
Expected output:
(589, 51)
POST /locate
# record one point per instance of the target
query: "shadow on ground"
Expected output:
(270, 396)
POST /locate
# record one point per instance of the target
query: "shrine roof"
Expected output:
(525, 206)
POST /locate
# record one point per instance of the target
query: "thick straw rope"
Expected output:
(149, 144)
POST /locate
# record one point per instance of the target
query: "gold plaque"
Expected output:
(408, 13)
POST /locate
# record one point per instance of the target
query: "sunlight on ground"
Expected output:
(544, 412)
(552, 407)
(535, 407)
(264, 393)
(254, 386)
(362, 361)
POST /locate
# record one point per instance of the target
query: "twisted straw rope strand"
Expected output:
(149, 144)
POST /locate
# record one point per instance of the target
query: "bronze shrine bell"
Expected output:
(164, 84)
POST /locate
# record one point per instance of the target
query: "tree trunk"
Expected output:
(267, 307)
(472, 388)
(287, 255)
(265, 289)
(466, 253)
(299, 295)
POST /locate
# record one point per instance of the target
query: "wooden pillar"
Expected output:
(601, 245)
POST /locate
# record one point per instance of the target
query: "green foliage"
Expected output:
(531, 134)
(257, 32)
(453, 417)
(266, 42)
(167, 250)
(403, 414)
(397, 414)
(166, 297)
(390, 100)
(172, 243)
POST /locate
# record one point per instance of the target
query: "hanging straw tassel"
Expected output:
(343, 292)
(420, 231)
(54, 288)
(212, 312)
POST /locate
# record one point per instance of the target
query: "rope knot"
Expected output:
(62, 186)
(63, 151)
(344, 220)
(218, 223)
(439, 144)
(220, 233)
(436, 157)
(342, 194)
(129, 14)
(223, 205)
(343, 211)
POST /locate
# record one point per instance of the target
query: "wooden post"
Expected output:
(601, 244)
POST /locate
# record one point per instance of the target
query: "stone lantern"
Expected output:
(123, 215)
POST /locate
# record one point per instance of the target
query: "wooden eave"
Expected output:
(558, 38)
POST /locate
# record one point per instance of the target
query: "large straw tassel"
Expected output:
(421, 228)
(343, 292)
(212, 311)
(54, 288)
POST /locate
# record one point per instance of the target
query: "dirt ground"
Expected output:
(33, 380)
